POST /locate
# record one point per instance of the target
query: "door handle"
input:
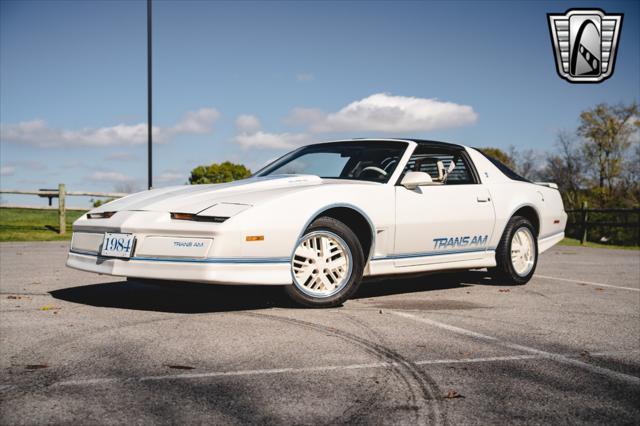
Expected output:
(483, 198)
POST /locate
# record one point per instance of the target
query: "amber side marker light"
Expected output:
(255, 238)
(103, 215)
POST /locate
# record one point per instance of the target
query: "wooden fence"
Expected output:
(578, 218)
(61, 193)
(580, 221)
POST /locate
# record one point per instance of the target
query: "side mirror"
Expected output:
(412, 180)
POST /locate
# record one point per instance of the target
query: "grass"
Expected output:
(33, 225)
(576, 243)
(42, 225)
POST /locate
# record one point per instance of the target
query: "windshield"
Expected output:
(373, 161)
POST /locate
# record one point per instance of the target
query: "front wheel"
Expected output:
(326, 266)
(517, 253)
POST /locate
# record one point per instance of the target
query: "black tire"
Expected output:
(504, 272)
(347, 235)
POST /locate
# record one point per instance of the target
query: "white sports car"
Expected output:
(323, 216)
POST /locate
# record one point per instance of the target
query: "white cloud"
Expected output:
(383, 112)
(7, 170)
(379, 113)
(250, 136)
(200, 121)
(261, 139)
(38, 133)
(247, 124)
(305, 76)
(112, 177)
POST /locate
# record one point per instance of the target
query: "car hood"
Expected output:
(196, 198)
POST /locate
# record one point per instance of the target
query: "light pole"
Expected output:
(149, 123)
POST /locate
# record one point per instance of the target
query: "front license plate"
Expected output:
(117, 245)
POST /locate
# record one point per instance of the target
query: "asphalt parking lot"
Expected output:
(438, 349)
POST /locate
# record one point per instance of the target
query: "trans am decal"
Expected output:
(186, 244)
(444, 243)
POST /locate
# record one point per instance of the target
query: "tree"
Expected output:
(567, 169)
(607, 130)
(218, 173)
(500, 155)
(629, 188)
(128, 187)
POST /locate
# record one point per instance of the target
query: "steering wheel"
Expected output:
(375, 169)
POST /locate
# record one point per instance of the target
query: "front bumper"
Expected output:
(260, 271)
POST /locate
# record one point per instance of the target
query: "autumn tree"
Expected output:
(607, 130)
(218, 173)
(500, 155)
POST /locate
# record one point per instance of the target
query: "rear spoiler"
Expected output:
(548, 184)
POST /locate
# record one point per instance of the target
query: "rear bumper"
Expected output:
(219, 271)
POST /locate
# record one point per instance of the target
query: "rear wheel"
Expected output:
(517, 253)
(326, 265)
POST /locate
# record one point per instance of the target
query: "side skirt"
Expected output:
(388, 266)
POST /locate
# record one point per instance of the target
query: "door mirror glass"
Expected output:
(412, 180)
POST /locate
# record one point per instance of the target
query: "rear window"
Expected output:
(429, 159)
(504, 168)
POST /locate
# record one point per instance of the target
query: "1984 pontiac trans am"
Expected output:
(323, 216)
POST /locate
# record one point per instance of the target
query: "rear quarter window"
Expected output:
(503, 168)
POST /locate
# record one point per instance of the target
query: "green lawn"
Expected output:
(572, 242)
(33, 225)
(42, 225)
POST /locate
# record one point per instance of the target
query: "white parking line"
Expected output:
(326, 368)
(546, 277)
(544, 354)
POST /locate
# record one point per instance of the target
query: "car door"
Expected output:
(451, 220)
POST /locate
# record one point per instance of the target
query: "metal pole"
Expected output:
(149, 122)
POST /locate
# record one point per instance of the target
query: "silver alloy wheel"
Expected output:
(523, 251)
(321, 264)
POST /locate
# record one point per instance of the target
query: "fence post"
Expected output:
(62, 222)
(638, 227)
(583, 221)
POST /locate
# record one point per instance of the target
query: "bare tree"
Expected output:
(530, 164)
(567, 168)
(128, 187)
(527, 163)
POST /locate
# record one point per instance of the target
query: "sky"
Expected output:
(248, 81)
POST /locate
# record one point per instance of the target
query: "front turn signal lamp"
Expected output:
(101, 215)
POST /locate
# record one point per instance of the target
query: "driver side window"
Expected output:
(445, 167)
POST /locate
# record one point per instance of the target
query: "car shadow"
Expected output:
(194, 298)
(406, 284)
(174, 297)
